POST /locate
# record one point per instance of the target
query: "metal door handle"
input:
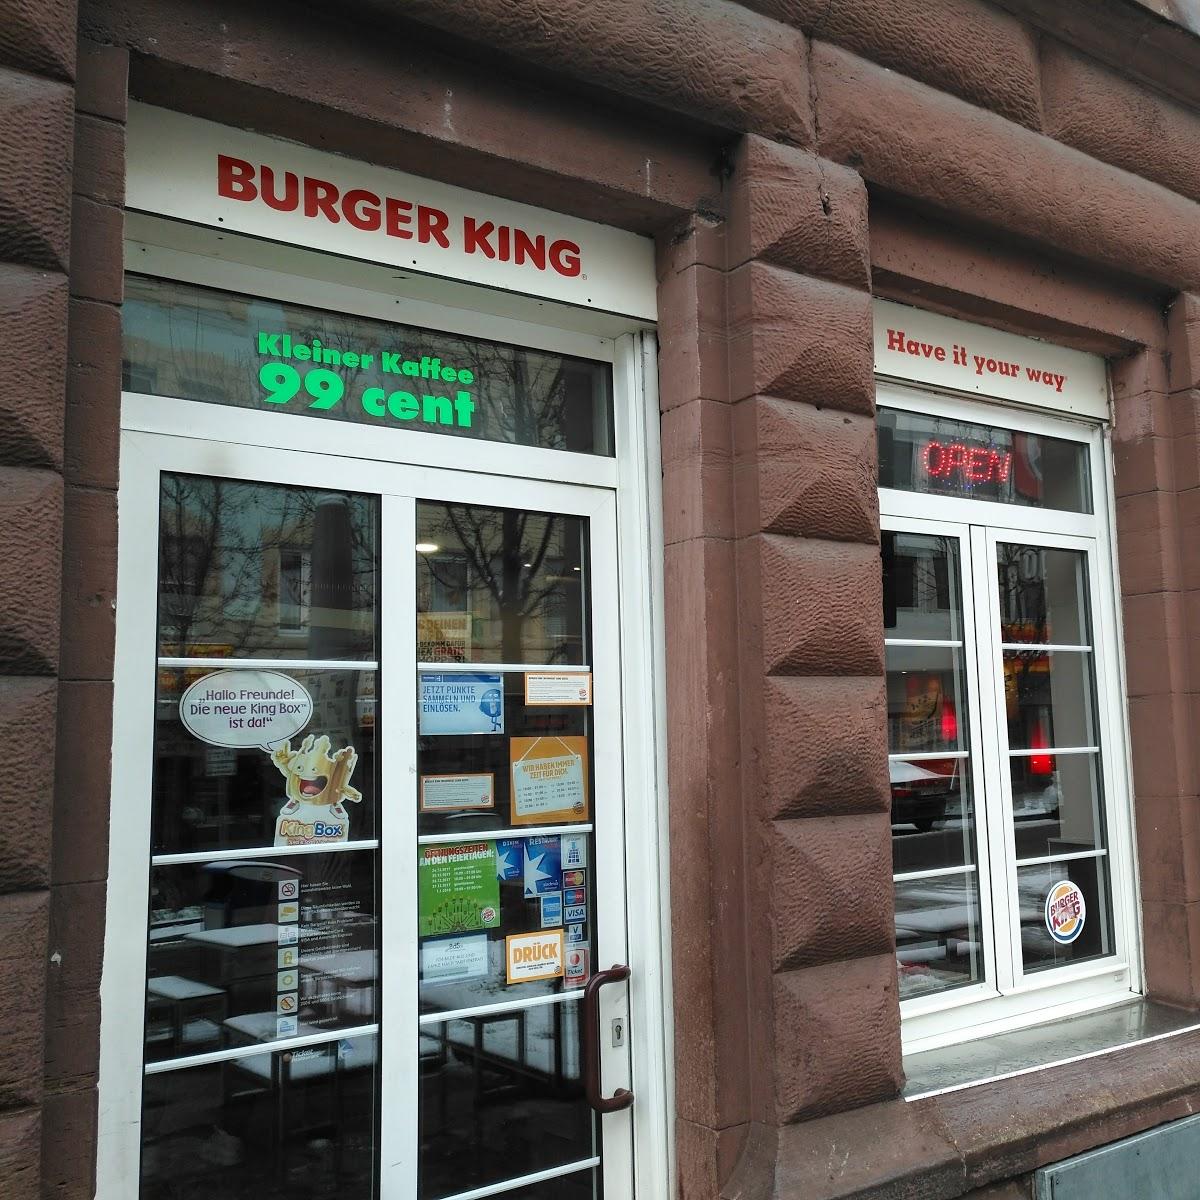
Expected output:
(622, 1097)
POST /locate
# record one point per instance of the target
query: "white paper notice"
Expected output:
(558, 687)
(447, 793)
(445, 960)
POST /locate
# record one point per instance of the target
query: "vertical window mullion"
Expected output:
(993, 760)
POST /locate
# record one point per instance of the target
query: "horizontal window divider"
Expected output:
(489, 668)
(926, 755)
(1040, 646)
(933, 873)
(1050, 751)
(433, 839)
(272, 664)
(510, 1185)
(935, 642)
(500, 1007)
(195, 856)
(1053, 858)
(283, 1044)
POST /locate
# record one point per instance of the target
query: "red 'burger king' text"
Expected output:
(319, 199)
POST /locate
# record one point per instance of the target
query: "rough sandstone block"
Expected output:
(1118, 121)
(794, 210)
(20, 1154)
(697, 459)
(92, 435)
(30, 524)
(1172, 951)
(89, 584)
(1183, 341)
(76, 944)
(69, 1145)
(27, 712)
(879, 1151)
(709, 58)
(36, 119)
(99, 160)
(800, 338)
(818, 602)
(837, 1037)
(82, 775)
(102, 81)
(931, 147)
(692, 362)
(831, 889)
(805, 471)
(963, 47)
(824, 746)
(33, 330)
(24, 920)
(38, 36)
(98, 261)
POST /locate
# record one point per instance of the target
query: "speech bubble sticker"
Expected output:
(241, 708)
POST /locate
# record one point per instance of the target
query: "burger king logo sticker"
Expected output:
(1065, 912)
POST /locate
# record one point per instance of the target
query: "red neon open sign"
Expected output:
(970, 464)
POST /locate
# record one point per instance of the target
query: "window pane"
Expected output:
(1081, 932)
(466, 779)
(201, 344)
(939, 939)
(933, 820)
(935, 455)
(1048, 698)
(920, 587)
(502, 1096)
(1043, 595)
(927, 704)
(473, 895)
(244, 951)
(249, 570)
(499, 585)
(269, 1126)
(1057, 805)
(318, 784)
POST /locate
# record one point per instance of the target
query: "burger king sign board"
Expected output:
(1065, 912)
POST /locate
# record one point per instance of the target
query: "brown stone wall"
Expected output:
(37, 71)
(1007, 162)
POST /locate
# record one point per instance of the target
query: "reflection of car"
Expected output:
(923, 792)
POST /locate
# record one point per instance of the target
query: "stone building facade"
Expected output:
(1030, 167)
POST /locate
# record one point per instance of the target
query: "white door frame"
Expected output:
(179, 430)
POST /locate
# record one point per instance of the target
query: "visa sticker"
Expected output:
(575, 912)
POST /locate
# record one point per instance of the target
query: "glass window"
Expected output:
(923, 453)
(938, 934)
(197, 343)
(264, 924)
(1031, 662)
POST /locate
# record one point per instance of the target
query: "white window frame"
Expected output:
(1005, 1000)
(628, 485)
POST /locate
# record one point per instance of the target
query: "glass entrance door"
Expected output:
(385, 802)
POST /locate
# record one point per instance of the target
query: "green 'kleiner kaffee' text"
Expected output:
(431, 402)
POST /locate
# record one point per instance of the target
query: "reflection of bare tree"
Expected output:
(520, 559)
(201, 344)
(220, 563)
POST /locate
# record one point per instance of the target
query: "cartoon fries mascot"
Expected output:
(317, 786)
